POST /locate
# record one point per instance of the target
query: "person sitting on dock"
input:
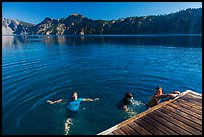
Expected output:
(73, 107)
(155, 99)
(127, 100)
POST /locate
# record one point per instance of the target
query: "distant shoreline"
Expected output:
(138, 35)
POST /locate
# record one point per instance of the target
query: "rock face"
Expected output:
(187, 21)
(6, 30)
(12, 26)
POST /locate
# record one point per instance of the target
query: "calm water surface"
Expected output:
(38, 68)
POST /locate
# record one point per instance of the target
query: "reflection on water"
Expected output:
(14, 40)
(7, 40)
(180, 41)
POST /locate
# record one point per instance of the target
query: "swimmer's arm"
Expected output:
(175, 92)
(90, 99)
(163, 96)
(57, 101)
(168, 95)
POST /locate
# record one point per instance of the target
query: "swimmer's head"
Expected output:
(74, 95)
(128, 98)
(159, 90)
(128, 95)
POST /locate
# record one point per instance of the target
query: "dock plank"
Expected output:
(139, 129)
(195, 95)
(118, 132)
(186, 111)
(177, 124)
(189, 104)
(191, 100)
(171, 126)
(196, 127)
(111, 133)
(160, 126)
(128, 130)
(183, 114)
(149, 127)
(199, 112)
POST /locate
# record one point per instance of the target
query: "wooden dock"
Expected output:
(179, 116)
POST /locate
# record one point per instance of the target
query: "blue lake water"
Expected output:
(40, 68)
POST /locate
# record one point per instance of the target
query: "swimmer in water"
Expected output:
(155, 99)
(127, 100)
(73, 107)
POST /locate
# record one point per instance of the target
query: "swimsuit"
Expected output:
(74, 105)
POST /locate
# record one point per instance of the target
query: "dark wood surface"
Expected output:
(139, 129)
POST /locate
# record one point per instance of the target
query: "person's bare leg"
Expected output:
(67, 125)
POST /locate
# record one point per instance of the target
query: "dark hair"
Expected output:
(157, 88)
(128, 95)
(73, 94)
(126, 100)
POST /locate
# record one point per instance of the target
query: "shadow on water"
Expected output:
(178, 41)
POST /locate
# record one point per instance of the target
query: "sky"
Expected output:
(35, 12)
